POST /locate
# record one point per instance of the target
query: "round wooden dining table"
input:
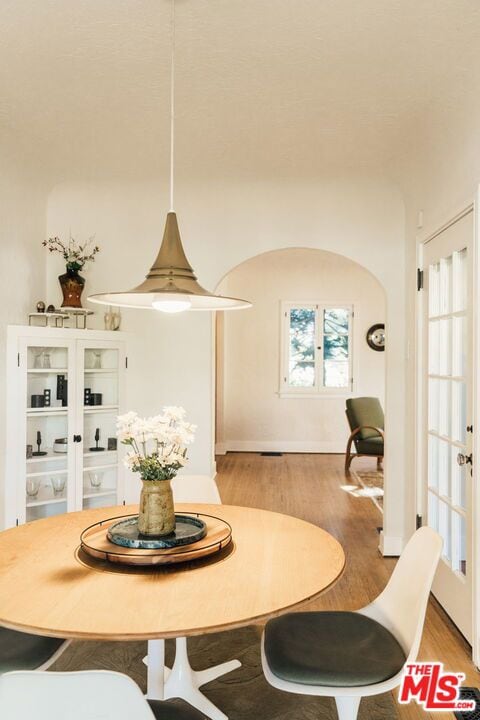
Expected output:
(275, 563)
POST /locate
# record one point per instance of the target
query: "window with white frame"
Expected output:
(316, 348)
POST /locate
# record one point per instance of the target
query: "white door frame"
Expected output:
(419, 370)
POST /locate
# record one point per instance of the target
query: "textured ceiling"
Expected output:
(263, 86)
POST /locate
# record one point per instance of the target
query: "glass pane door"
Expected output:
(100, 406)
(447, 385)
(48, 449)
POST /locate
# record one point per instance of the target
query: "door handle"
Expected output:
(77, 438)
(464, 459)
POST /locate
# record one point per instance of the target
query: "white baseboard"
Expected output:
(287, 446)
(391, 546)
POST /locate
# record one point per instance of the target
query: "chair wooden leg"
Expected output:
(348, 456)
(347, 707)
(379, 463)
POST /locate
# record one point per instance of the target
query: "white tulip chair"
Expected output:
(85, 695)
(348, 656)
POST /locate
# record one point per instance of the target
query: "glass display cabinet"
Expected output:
(65, 389)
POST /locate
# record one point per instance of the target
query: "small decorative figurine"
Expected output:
(65, 393)
(112, 319)
(60, 382)
(97, 438)
(62, 389)
(38, 452)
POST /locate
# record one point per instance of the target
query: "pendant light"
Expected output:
(171, 285)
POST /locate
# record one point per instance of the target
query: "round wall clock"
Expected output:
(376, 337)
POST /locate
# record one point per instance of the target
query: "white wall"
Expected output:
(22, 261)
(224, 223)
(439, 174)
(255, 417)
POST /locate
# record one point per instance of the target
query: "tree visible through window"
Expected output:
(302, 347)
(335, 347)
(317, 355)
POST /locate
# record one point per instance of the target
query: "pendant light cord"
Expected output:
(172, 105)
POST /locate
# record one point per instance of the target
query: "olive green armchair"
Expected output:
(366, 420)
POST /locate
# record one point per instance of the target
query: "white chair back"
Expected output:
(195, 489)
(92, 695)
(401, 607)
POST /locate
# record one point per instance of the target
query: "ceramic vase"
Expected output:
(72, 285)
(156, 514)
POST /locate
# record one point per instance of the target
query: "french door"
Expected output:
(448, 407)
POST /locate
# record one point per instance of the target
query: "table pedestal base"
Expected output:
(182, 681)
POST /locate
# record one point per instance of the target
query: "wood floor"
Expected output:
(309, 487)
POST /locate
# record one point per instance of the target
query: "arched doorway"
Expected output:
(286, 367)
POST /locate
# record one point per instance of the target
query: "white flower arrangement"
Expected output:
(158, 444)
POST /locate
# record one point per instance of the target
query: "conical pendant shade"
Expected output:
(170, 282)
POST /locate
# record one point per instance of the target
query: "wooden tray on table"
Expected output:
(94, 541)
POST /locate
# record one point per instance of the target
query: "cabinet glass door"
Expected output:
(100, 403)
(47, 485)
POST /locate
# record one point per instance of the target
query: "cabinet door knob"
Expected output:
(77, 438)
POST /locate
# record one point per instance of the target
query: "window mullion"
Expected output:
(350, 349)
(286, 345)
(319, 344)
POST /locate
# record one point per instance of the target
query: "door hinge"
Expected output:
(419, 522)
(126, 363)
(419, 279)
(18, 359)
(16, 522)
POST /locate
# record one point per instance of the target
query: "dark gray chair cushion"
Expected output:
(337, 649)
(20, 651)
(175, 710)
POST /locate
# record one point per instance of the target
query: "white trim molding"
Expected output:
(391, 546)
(286, 446)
